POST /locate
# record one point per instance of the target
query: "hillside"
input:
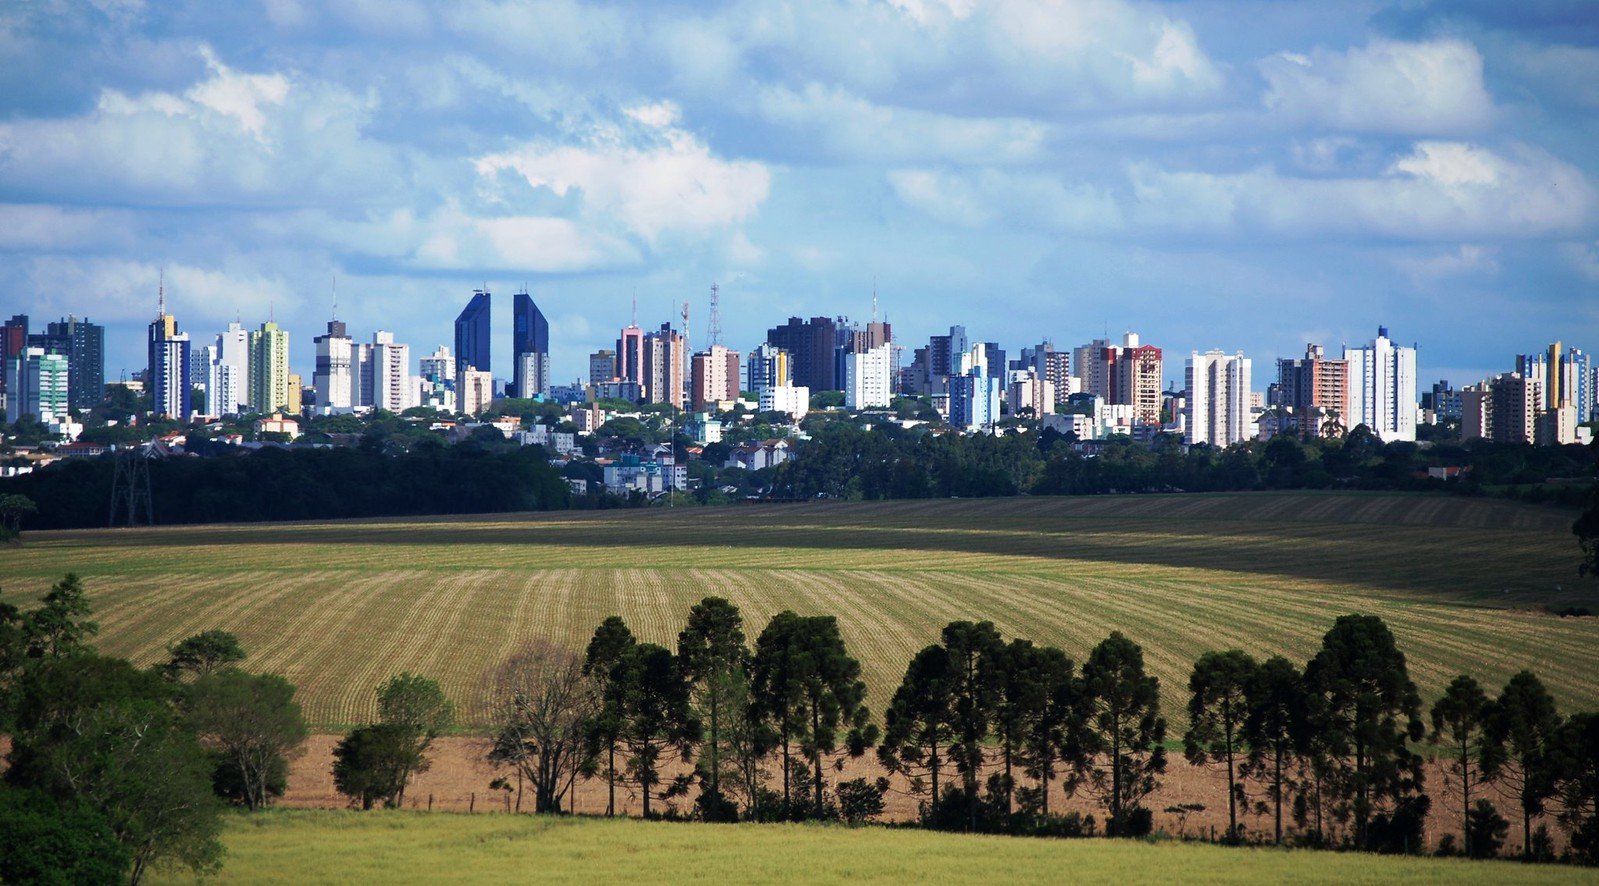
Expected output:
(337, 607)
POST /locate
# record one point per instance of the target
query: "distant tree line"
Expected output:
(843, 460)
(114, 771)
(303, 484)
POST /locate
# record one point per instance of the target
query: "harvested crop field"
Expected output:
(338, 607)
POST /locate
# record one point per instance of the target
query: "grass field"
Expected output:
(338, 607)
(401, 847)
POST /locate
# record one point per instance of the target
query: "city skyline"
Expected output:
(1094, 168)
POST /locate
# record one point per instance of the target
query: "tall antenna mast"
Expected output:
(686, 339)
(161, 293)
(716, 316)
(635, 308)
(335, 298)
(874, 300)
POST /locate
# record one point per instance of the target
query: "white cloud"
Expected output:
(1034, 202)
(232, 139)
(112, 290)
(652, 178)
(1583, 258)
(1429, 88)
(1468, 260)
(854, 129)
(1440, 190)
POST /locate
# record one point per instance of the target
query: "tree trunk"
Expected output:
(816, 728)
(716, 768)
(1465, 797)
(1007, 781)
(1116, 774)
(932, 808)
(610, 777)
(1277, 791)
(1232, 799)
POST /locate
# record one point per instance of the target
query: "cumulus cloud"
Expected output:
(1468, 260)
(652, 176)
(855, 129)
(1438, 190)
(1427, 88)
(203, 297)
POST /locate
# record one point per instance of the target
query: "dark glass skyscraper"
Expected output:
(530, 346)
(83, 344)
(13, 338)
(472, 333)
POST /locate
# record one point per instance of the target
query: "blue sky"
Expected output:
(1241, 175)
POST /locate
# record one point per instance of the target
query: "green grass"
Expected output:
(402, 847)
(338, 607)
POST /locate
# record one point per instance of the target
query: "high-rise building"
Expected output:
(13, 338)
(665, 366)
(1515, 408)
(715, 377)
(269, 369)
(767, 367)
(1442, 402)
(1581, 372)
(1091, 368)
(994, 356)
(1218, 402)
(38, 383)
(1129, 375)
(335, 379)
(1315, 389)
(474, 390)
(530, 347)
(811, 346)
(436, 376)
(788, 399)
(472, 336)
(1030, 392)
(1382, 388)
(227, 368)
(973, 399)
(630, 355)
(167, 375)
(390, 368)
(1051, 365)
(602, 366)
(868, 377)
(83, 344)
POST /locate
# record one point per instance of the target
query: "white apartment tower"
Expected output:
(1218, 409)
(1382, 388)
(868, 377)
(335, 378)
(393, 388)
(227, 372)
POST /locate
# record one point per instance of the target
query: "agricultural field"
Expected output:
(402, 847)
(338, 607)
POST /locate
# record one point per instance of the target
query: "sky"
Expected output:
(1238, 175)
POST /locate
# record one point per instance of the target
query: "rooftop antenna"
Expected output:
(716, 315)
(686, 339)
(335, 298)
(874, 300)
(635, 309)
(161, 293)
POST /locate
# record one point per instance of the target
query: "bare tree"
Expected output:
(542, 705)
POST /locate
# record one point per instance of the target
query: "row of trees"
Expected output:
(983, 731)
(115, 769)
(842, 460)
(302, 484)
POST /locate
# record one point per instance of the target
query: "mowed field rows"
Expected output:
(338, 607)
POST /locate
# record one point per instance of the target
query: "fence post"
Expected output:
(471, 803)
(430, 802)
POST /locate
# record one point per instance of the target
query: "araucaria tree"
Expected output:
(809, 686)
(714, 663)
(1577, 768)
(1365, 707)
(1520, 747)
(611, 641)
(1053, 732)
(655, 717)
(976, 679)
(1218, 708)
(1458, 720)
(1275, 729)
(1125, 730)
(543, 711)
(916, 725)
